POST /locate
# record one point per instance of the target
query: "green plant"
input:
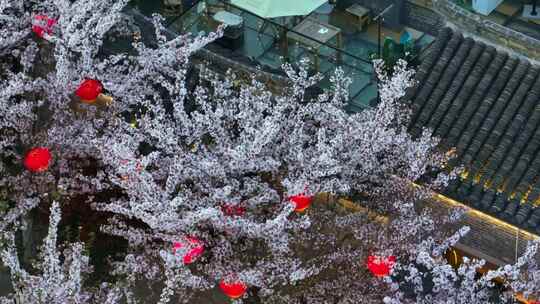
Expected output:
(392, 51)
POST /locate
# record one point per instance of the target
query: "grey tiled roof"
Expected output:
(486, 104)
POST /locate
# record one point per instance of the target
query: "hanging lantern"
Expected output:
(195, 249)
(380, 266)
(89, 90)
(42, 24)
(301, 202)
(234, 289)
(37, 159)
(232, 210)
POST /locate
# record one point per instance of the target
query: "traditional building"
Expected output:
(485, 103)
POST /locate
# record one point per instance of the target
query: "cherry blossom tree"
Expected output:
(240, 147)
(227, 185)
(14, 24)
(426, 277)
(60, 277)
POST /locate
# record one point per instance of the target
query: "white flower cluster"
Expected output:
(430, 279)
(60, 276)
(13, 24)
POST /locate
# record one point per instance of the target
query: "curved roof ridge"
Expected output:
(485, 101)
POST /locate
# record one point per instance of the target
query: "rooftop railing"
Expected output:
(263, 45)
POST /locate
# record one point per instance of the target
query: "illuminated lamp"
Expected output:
(234, 289)
(42, 24)
(37, 159)
(301, 202)
(380, 266)
(195, 249)
(89, 90)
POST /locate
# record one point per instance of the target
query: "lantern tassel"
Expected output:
(104, 100)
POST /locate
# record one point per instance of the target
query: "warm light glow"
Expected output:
(452, 257)
(456, 259)
(301, 202)
(233, 290)
(195, 249)
(472, 212)
(89, 90)
(512, 195)
(489, 219)
(43, 24)
(380, 266)
(526, 195)
(484, 216)
(37, 159)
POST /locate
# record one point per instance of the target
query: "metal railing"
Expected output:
(198, 16)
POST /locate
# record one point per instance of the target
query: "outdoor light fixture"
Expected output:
(301, 202)
(37, 159)
(195, 249)
(43, 24)
(89, 90)
(380, 266)
(233, 289)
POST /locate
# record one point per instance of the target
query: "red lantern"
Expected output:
(301, 202)
(195, 249)
(234, 289)
(380, 266)
(37, 159)
(89, 90)
(42, 24)
(232, 210)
